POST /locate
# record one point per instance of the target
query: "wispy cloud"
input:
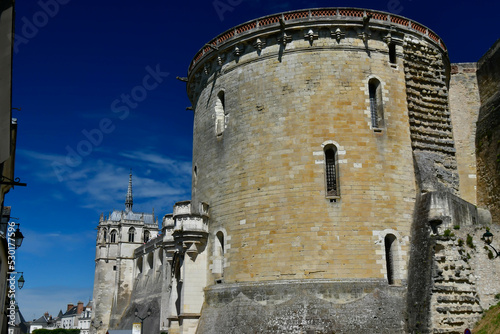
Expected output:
(41, 245)
(53, 300)
(160, 162)
(102, 183)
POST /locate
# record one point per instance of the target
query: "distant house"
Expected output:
(45, 321)
(76, 317)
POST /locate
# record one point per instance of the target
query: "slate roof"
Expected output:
(41, 320)
(117, 215)
(71, 312)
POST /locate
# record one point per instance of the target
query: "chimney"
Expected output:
(46, 315)
(70, 306)
(79, 308)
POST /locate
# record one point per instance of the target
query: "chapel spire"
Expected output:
(129, 200)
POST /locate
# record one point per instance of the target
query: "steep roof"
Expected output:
(41, 320)
(71, 312)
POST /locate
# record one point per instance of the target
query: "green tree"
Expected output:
(56, 331)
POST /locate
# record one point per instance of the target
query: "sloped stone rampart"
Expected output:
(319, 306)
(430, 121)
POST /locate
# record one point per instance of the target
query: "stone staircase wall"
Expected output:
(451, 276)
(454, 300)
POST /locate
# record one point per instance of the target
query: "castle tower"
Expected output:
(315, 133)
(119, 234)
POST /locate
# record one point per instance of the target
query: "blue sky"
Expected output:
(98, 78)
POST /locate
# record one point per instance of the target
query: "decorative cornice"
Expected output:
(284, 39)
(311, 36)
(364, 35)
(238, 50)
(259, 45)
(345, 17)
(338, 34)
(388, 38)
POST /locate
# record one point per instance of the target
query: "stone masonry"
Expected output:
(464, 108)
(333, 188)
(488, 131)
(294, 89)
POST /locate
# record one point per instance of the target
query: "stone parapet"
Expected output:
(310, 17)
(182, 208)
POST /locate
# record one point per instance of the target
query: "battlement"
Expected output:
(341, 18)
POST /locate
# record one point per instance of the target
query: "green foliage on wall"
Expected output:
(469, 241)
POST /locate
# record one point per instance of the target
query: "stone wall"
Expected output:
(488, 132)
(149, 281)
(464, 108)
(118, 236)
(441, 290)
(430, 121)
(450, 281)
(464, 273)
(315, 306)
(267, 105)
(284, 105)
(264, 247)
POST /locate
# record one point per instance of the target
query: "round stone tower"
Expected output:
(311, 144)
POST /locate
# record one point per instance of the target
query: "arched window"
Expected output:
(220, 243)
(376, 104)
(331, 171)
(219, 251)
(131, 234)
(147, 236)
(104, 235)
(390, 256)
(220, 113)
(392, 53)
(113, 236)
